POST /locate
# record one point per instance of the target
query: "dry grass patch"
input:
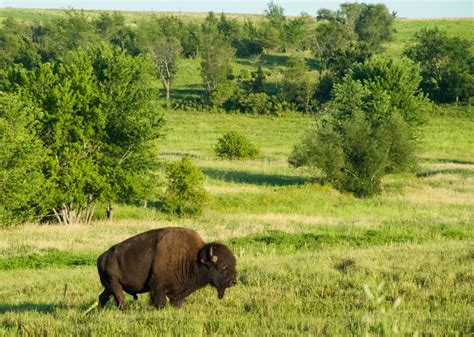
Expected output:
(430, 195)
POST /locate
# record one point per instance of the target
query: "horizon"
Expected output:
(420, 9)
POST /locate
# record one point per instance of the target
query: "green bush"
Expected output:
(368, 129)
(185, 194)
(233, 145)
(258, 103)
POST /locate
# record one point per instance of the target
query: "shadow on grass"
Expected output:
(456, 161)
(274, 60)
(42, 308)
(448, 161)
(194, 90)
(256, 178)
(246, 62)
(312, 64)
(431, 173)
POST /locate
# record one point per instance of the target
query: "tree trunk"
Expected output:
(70, 214)
(110, 212)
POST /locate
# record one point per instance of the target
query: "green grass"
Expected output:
(407, 28)
(313, 293)
(311, 260)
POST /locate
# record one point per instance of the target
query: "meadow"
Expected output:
(311, 260)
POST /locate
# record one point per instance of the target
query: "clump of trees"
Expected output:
(368, 129)
(89, 122)
(447, 65)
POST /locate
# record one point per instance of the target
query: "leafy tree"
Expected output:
(298, 85)
(112, 27)
(399, 79)
(57, 38)
(229, 28)
(185, 194)
(132, 123)
(97, 118)
(331, 38)
(323, 90)
(272, 32)
(368, 129)
(352, 33)
(22, 157)
(217, 55)
(160, 38)
(297, 32)
(374, 26)
(258, 79)
(447, 65)
(191, 39)
(253, 82)
(342, 60)
(17, 46)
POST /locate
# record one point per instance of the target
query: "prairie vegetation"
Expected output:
(311, 260)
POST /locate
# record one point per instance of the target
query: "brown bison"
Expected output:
(167, 262)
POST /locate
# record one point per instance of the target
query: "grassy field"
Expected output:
(311, 260)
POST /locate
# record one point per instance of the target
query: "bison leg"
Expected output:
(176, 301)
(158, 297)
(117, 291)
(104, 298)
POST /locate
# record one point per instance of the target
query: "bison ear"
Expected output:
(205, 255)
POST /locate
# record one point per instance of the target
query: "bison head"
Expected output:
(219, 262)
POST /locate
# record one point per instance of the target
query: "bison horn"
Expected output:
(213, 257)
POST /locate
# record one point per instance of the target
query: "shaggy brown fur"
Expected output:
(167, 262)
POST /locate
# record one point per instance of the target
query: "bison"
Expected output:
(168, 262)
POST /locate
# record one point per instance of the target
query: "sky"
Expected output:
(404, 8)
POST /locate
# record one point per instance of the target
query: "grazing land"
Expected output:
(311, 260)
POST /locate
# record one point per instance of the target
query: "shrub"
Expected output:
(367, 130)
(185, 194)
(256, 104)
(233, 145)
